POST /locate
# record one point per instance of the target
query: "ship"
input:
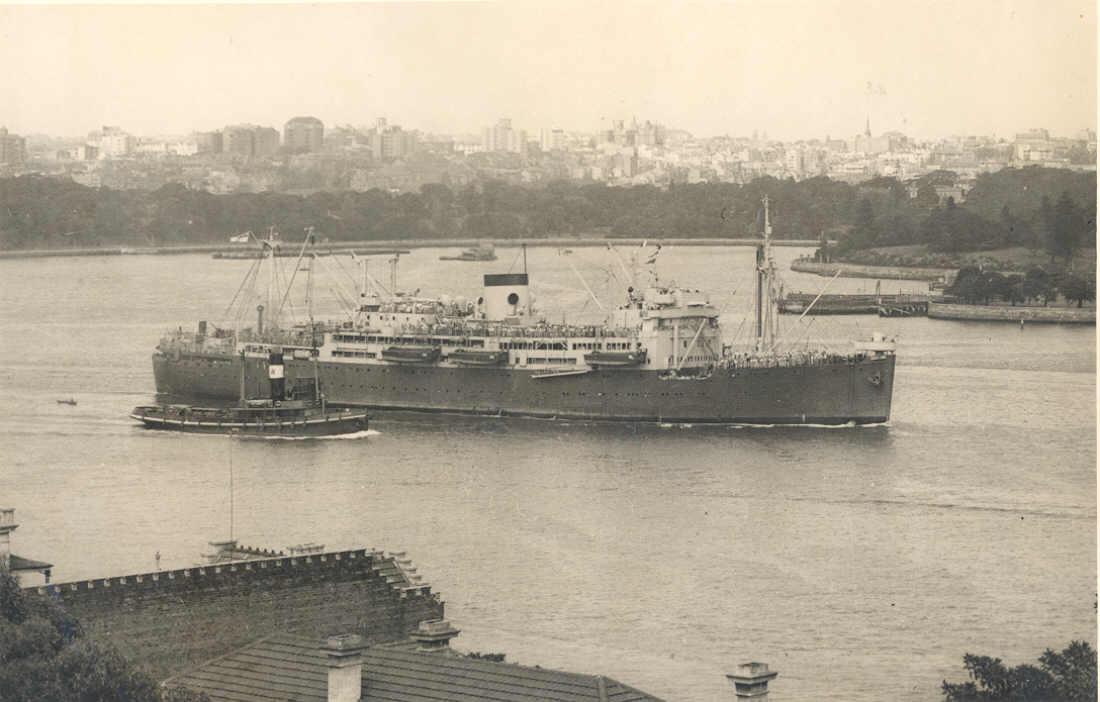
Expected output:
(660, 356)
(297, 410)
(481, 252)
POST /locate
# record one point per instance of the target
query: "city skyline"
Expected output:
(455, 68)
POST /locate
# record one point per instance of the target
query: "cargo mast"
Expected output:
(765, 315)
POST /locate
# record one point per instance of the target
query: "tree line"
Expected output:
(1068, 675)
(975, 286)
(1033, 206)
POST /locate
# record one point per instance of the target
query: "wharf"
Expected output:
(855, 270)
(888, 305)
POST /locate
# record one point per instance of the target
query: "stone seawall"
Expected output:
(855, 270)
(169, 621)
(1008, 313)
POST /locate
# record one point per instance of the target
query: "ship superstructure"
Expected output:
(660, 356)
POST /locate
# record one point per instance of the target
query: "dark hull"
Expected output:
(828, 393)
(290, 427)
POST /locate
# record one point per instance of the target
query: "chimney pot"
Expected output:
(434, 634)
(750, 682)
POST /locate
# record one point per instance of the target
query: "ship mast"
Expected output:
(765, 316)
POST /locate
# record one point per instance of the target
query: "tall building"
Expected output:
(392, 142)
(208, 142)
(250, 140)
(239, 140)
(112, 142)
(13, 148)
(266, 141)
(552, 140)
(304, 134)
(502, 137)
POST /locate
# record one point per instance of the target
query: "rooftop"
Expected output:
(284, 666)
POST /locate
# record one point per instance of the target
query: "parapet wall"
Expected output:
(170, 621)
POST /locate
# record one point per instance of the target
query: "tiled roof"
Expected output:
(20, 563)
(293, 668)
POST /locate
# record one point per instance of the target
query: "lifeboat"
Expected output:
(615, 359)
(467, 357)
(411, 354)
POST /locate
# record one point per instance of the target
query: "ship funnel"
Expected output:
(275, 373)
(506, 296)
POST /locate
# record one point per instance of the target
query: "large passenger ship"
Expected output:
(660, 356)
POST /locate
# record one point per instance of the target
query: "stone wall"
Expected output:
(1009, 313)
(169, 621)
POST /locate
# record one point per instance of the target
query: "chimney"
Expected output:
(434, 635)
(750, 682)
(345, 667)
(7, 526)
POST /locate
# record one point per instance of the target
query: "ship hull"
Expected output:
(332, 426)
(839, 392)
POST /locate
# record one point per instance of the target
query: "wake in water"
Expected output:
(808, 425)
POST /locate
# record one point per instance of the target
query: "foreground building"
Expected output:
(422, 669)
(168, 621)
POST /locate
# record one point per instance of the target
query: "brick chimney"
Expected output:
(345, 667)
(434, 635)
(750, 682)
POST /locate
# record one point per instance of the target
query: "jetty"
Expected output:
(855, 270)
(884, 305)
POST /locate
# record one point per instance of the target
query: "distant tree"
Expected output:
(926, 195)
(43, 656)
(1046, 224)
(1067, 228)
(1077, 288)
(1066, 676)
(968, 286)
(1038, 285)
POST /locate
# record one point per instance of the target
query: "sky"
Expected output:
(793, 69)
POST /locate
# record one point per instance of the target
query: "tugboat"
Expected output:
(298, 412)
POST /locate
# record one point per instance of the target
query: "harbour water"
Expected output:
(862, 563)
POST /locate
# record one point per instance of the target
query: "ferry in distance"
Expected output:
(660, 357)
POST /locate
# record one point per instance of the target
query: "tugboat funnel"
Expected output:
(276, 375)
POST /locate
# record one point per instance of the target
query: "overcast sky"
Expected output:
(794, 69)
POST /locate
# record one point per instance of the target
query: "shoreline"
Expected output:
(388, 245)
